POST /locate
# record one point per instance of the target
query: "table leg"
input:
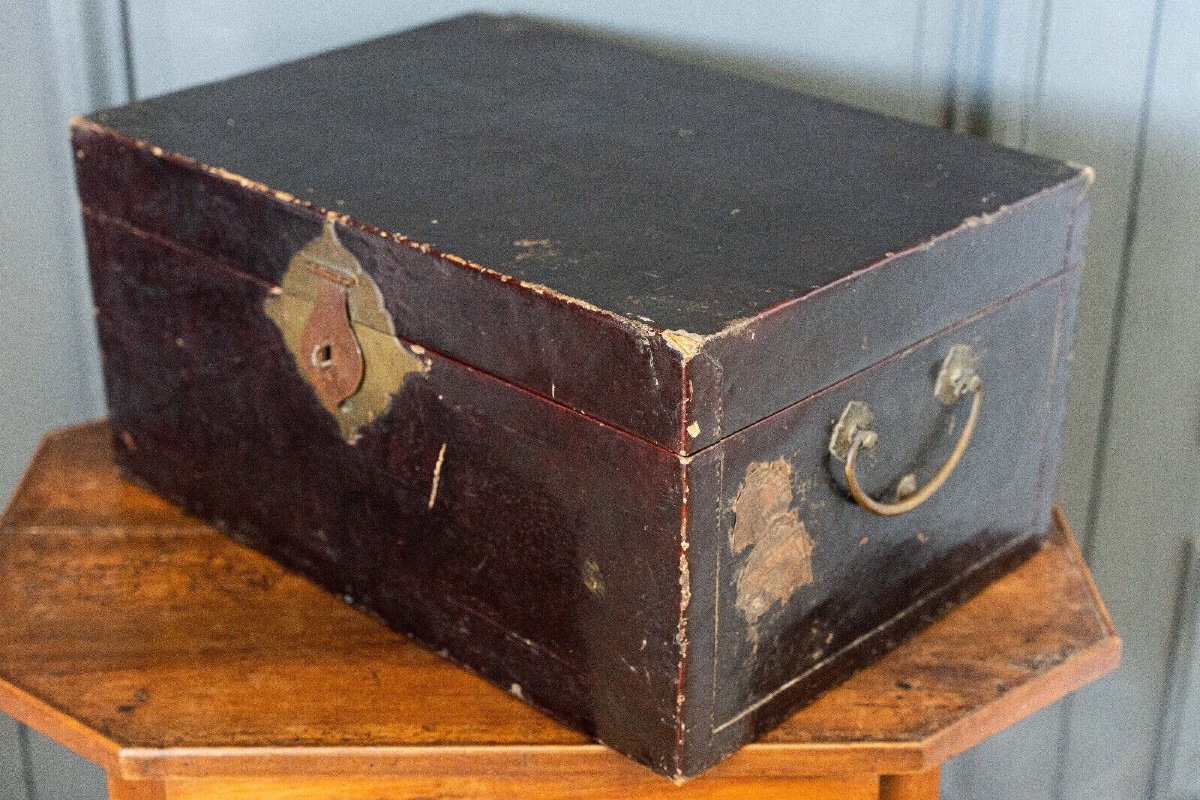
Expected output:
(121, 789)
(918, 786)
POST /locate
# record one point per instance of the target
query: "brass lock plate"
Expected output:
(333, 321)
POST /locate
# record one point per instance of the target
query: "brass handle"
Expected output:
(852, 435)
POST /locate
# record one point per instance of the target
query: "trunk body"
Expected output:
(591, 463)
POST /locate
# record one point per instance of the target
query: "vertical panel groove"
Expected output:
(127, 47)
(949, 115)
(1185, 650)
(1118, 326)
(1036, 93)
(1100, 454)
(918, 48)
(977, 120)
(1059, 782)
(26, 756)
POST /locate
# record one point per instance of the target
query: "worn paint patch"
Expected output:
(593, 578)
(687, 343)
(536, 249)
(777, 547)
(437, 476)
(906, 487)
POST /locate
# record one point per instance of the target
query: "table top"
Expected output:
(150, 643)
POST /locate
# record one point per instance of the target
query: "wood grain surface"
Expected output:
(160, 649)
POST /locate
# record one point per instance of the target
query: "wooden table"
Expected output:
(190, 667)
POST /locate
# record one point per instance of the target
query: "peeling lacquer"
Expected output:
(774, 542)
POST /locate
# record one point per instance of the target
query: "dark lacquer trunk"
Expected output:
(534, 346)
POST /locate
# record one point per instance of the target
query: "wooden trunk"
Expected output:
(535, 346)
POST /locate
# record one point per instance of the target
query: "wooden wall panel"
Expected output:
(1018, 70)
(1091, 97)
(1178, 774)
(1020, 762)
(885, 54)
(1149, 467)
(181, 43)
(1068, 80)
(58, 58)
(13, 785)
(47, 370)
(56, 773)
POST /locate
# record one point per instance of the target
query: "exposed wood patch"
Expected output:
(779, 559)
(437, 476)
(593, 578)
(541, 249)
(686, 342)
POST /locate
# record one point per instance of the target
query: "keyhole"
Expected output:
(322, 356)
